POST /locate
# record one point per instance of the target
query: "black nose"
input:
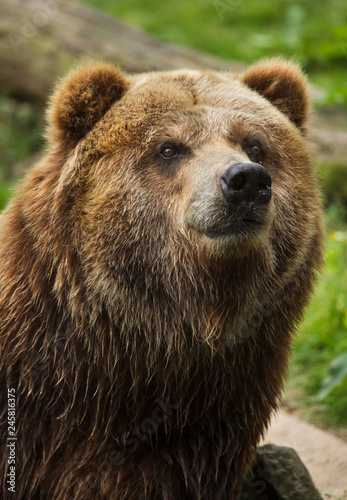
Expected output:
(247, 184)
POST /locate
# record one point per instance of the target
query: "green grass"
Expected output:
(314, 32)
(319, 358)
(333, 497)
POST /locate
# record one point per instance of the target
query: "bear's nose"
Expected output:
(247, 184)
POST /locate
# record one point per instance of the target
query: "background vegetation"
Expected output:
(315, 33)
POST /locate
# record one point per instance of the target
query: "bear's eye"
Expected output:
(253, 149)
(168, 151)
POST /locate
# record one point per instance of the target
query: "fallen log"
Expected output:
(41, 39)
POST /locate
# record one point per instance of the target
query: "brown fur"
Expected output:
(146, 356)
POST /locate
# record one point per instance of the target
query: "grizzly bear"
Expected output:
(153, 269)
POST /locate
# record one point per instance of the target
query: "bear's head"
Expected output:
(212, 162)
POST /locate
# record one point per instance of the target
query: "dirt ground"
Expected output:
(324, 454)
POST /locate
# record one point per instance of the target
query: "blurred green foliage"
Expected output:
(6, 191)
(20, 136)
(320, 361)
(337, 378)
(314, 32)
(334, 179)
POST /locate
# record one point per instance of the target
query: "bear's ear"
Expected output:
(81, 99)
(284, 85)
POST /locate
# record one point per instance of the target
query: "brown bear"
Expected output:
(153, 268)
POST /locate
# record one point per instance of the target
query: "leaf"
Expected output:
(338, 374)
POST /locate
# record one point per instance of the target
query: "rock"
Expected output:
(278, 474)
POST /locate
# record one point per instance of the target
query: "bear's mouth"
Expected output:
(228, 224)
(242, 227)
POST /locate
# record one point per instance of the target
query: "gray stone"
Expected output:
(278, 474)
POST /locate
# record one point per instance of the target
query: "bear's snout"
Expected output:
(246, 184)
